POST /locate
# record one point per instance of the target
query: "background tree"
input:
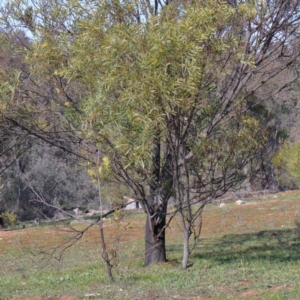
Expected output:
(287, 162)
(27, 160)
(280, 113)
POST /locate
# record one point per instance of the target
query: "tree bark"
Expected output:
(105, 254)
(186, 238)
(156, 205)
(186, 249)
(155, 247)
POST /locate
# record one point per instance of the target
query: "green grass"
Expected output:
(247, 252)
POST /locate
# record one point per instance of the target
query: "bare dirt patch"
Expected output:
(224, 288)
(9, 233)
(244, 282)
(39, 298)
(198, 298)
(33, 298)
(281, 287)
(249, 294)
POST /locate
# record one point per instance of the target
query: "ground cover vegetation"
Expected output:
(246, 252)
(165, 99)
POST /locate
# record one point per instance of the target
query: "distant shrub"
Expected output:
(287, 165)
(9, 218)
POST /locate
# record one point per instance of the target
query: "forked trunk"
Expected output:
(156, 204)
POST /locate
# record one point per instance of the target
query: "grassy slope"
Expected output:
(238, 256)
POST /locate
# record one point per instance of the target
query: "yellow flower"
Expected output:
(91, 172)
(89, 134)
(3, 107)
(106, 162)
(101, 173)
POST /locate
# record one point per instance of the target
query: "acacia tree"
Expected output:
(161, 90)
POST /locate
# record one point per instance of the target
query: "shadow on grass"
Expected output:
(273, 246)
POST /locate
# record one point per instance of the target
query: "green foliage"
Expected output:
(140, 72)
(141, 75)
(287, 164)
(9, 218)
(136, 81)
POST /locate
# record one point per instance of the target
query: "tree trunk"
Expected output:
(105, 254)
(155, 248)
(156, 205)
(186, 249)
(186, 238)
